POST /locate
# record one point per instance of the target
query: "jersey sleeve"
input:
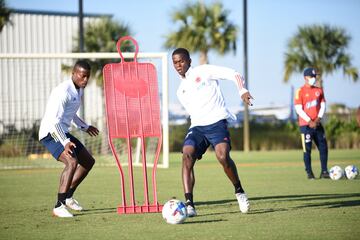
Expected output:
(299, 106)
(57, 101)
(297, 98)
(224, 73)
(80, 124)
(322, 96)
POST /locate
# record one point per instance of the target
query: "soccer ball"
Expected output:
(351, 171)
(174, 211)
(336, 173)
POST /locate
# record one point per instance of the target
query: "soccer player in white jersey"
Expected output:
(63, 103)
(201, 96)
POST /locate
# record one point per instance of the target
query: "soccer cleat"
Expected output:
(62, 212)
(190, 210)
(324, 174)
(243, 201)
(310, 175)
(73, 204)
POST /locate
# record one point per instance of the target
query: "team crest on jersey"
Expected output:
(198, 79)
(311, 104)
(317, 93)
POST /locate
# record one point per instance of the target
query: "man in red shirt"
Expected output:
(310, 107)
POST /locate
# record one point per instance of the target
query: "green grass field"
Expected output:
(284, 204)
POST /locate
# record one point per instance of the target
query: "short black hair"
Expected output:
(83, 64)
(183, 51)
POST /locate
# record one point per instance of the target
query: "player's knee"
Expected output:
(91, 162)
(87, 163)
(187, 159)
(223, 159)
(186, 156)
(71, 163)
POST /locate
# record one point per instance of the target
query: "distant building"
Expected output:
(260, 114)
(25, 84)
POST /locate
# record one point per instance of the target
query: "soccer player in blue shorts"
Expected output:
(200, 94)
(63, 103)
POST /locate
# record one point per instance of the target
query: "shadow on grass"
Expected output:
(96, 211)
(331, 201)
(205, 221)
(306, 197)
(256, 201)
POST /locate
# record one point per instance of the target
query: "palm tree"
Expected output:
(101, 36)
(322, 47)
(4, 14)
(201, 29)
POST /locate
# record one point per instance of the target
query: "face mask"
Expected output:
(312, 81)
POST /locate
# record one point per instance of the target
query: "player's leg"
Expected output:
(85, 164)
(188, 177)
(219, 137)
(57, 151)
(194, 147)
(321, 143)
(64, 185)
(188, 162)
(222, 151)
(306, 141)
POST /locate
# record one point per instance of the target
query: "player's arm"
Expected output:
(79, 123)
(225, 73)
(57, 101)
(321, 110)
(299, 110)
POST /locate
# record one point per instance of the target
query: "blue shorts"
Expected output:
(201, 137)
(56, 148)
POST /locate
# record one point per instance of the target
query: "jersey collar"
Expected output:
(73, 88)
(188, 72)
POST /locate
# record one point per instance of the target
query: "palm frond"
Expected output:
(319, 46)
(202, 28)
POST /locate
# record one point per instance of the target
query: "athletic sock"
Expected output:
(189, 199)
(238, 188)
(61, 199)
(70, 192)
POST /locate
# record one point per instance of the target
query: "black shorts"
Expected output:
(56, 148)
(201, 137)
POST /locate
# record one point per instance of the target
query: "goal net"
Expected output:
(26, 81)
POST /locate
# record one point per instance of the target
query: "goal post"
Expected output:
(19, 73)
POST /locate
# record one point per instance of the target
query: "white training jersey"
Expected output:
(61, 108)
(201, 96)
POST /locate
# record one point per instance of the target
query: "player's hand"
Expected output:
(246, 98)
(312, 124)
(317, 121)
(92, 131)
(69, 149)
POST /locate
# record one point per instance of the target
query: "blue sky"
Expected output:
(270, 25)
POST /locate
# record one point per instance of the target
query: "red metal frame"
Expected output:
(133, 111)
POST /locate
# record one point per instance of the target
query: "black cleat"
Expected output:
(310, 175)
(324, 174)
